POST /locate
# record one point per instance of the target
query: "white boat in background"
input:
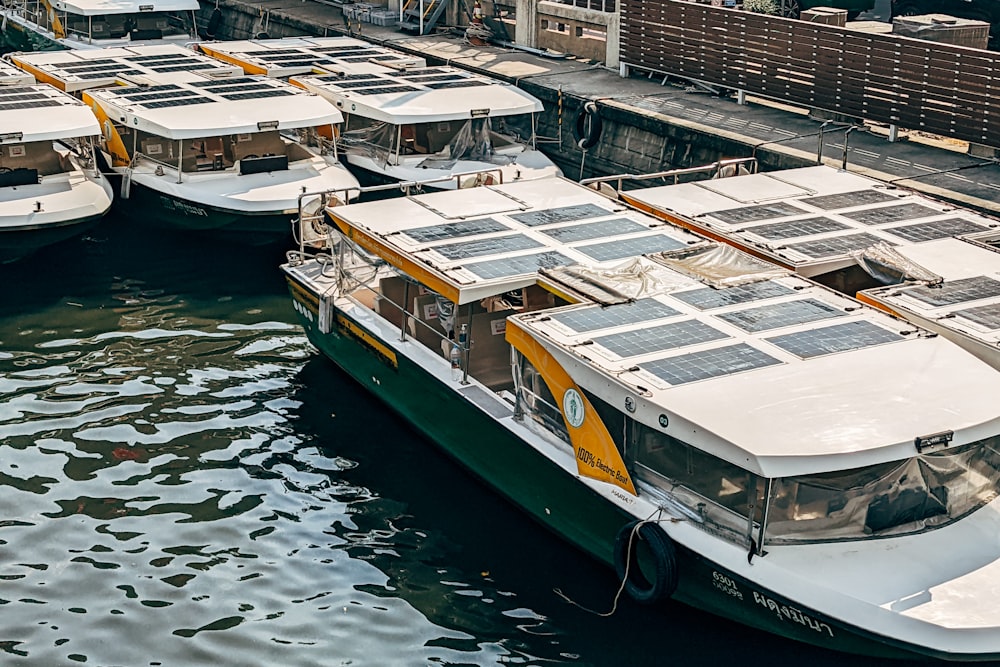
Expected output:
(404, 121)
(723, 432)
(200, 147)
(50, 187)
(45, 25)
(932, 263)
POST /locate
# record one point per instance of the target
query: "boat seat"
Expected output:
(489, 358)
(391, 291)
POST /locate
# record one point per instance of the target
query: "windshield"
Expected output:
(921, 493)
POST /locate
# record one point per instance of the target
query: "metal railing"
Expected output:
(724, 168)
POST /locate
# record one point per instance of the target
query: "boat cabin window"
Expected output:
(143, 25)
(720, 492)
(535, 401)
(921, 493)
(23, 164)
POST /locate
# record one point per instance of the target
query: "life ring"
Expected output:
(642, 586)
(588, 126)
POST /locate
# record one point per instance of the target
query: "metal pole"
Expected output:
(822, 139)
(847, 136)
(405, 317)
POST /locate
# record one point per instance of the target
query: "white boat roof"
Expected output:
(10, 75)
(302, 55)
(96, 7)
(968, 299)
(211, 107)
(83, 69)
(419, 95)
(812, 219)
(39, 112)
(780, 376)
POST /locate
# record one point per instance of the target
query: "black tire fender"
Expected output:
(588, 126)
(214, 22)
(662, 554)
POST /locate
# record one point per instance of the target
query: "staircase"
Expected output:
(432, 11)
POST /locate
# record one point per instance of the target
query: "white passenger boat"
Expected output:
(723, 432)
(932, 263)
(50, 187)
(405, 121)
(45, 25)
(199, 146)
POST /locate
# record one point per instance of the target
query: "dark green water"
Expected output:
(183, 481)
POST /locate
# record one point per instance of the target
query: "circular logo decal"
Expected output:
(573, 407)
(630, 404)
(664, 422)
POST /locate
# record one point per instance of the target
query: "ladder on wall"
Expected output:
(429, 10)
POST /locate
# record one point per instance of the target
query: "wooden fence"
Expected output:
(946, 90)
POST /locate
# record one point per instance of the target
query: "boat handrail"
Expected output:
(720, 167)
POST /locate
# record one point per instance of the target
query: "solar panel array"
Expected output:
(408, 81)
(955, 291)
(77, 66)
(198, 92)
(306, 56)
(656, 331)
(817, 229)
(28, 97)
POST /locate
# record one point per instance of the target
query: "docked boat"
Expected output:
(723, 432)
(44, 25)
(404, 121)
(932, 263)
(198, 145)
(50, 187)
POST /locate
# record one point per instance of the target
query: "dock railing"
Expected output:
(718, 169)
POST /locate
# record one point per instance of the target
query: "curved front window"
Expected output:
(921, 493)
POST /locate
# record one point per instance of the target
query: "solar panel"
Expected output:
(141, 96)
(157, 57)
(848, 199)
(181, 102)
(884, 214)
(707, 298)
(987, 316)
(454, 230)
(429, 78)
(595, 230)
(796, 228)
(186, 67)
(633, 247)
(273, 92)
(490, 246)
(592, 319)
(10, 106)
(656, 339)
(837, 245)
(121, 90)
(385, 90)
(955, 291)
(117, 71)
(561, 214)
(836, 338)
(736, 216)
(215, 84)
(456, 84)
(936, 229)
(706, 364)
(242, 88)
(24, 97)
(784, 314)
(429, 71)
(512, 266)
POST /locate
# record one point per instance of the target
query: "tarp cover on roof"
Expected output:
(719, 265)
